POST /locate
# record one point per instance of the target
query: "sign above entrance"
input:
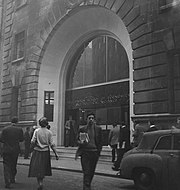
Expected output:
(99, 96)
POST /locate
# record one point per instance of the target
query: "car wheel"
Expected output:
(145, 179)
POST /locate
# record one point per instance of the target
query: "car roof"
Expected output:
(149, 138)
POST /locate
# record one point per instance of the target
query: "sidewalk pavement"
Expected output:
(69, 164)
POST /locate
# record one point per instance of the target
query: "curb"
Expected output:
(73, 170)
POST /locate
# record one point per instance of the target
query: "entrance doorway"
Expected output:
(105, 117)
(98, 81)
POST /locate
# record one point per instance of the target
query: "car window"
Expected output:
(164, 143)
(147, 142)
(176, 142)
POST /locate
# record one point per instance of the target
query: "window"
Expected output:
(14, 104)
(101, 60)
(19, 44)
(49, 105)
(20, 3)
(176, 143)
(164, 143)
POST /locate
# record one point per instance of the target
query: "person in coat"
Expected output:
(90, 146)
(124, 145)
(113, 140)
(11, 136)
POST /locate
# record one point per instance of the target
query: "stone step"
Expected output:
(69, 152)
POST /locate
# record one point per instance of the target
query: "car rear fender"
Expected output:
(134, 161)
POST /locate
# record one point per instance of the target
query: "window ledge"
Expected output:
(18, 60)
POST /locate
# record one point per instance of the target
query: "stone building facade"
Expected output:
(39, 39)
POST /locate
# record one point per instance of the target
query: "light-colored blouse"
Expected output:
(43, 138)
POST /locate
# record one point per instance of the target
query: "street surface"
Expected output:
(65, 180)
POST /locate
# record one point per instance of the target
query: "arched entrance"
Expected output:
(75, 29)
(98, 81)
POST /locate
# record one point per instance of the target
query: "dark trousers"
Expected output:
(114, 150)
(10, 163)
(67, 135)
(27, 151)
(120, 153)
(88, 162)
(72, 138)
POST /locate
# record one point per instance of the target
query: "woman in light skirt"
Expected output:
(40, 164)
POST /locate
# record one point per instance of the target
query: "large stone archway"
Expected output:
(79, 26)
(121, 19)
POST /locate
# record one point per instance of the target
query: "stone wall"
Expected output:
(153, 30)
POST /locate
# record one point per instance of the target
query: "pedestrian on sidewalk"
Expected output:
(124, 144)
(40, 164)
(113, 140)
(90, 146)
(11, 136)
(27, 142)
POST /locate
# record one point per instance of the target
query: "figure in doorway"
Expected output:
(70, 132)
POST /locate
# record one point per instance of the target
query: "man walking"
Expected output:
(113, 139)
(10, 137)
(90, 146)
(124, 145)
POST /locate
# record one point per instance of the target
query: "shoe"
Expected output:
(115, 169)
(7, 186)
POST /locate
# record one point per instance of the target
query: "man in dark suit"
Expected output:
(90, 146)
(124, 145)
(10, 137)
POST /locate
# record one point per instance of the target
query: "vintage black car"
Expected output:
(155, 163)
